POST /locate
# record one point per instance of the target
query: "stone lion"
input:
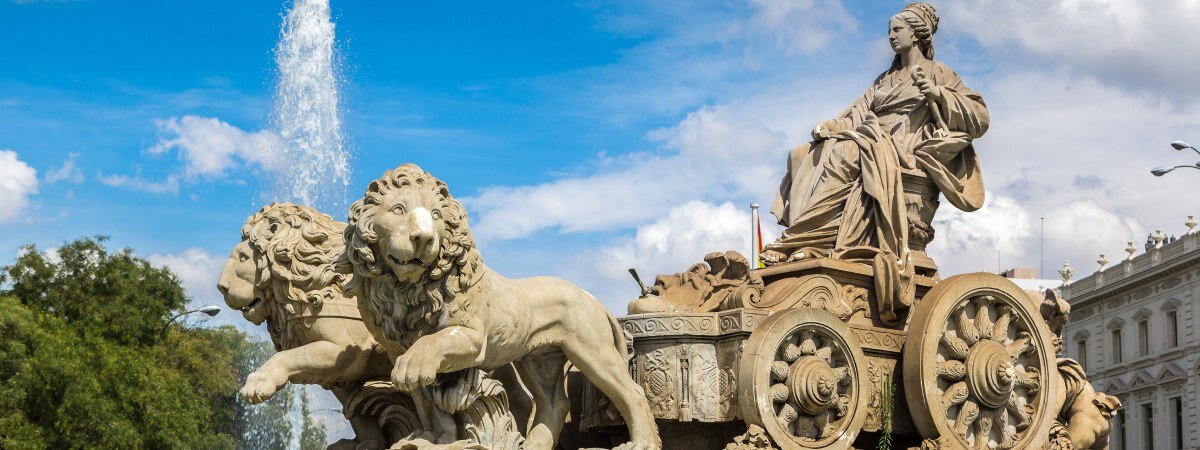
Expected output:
(440, 310)
(282, 273)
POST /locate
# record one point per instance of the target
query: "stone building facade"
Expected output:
(1133, 327)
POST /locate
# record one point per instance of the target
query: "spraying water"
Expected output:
(314, 167)
(311, 167)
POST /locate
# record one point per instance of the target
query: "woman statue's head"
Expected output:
(914, 25)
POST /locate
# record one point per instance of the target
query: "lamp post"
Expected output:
(1177, 145)
(211, 310)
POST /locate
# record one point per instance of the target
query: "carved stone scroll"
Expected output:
(814, 291)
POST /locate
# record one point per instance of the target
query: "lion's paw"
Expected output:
(261, 386)
(414, 371)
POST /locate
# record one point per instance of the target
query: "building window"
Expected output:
(1116, 345)
(1081, 352)
(1143, 338)
(1177, 421)
(1148, 426)
(1172, 329)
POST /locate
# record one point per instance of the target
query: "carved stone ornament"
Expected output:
(802, 380)
(813, 291)
(722, 282)
(978, 367)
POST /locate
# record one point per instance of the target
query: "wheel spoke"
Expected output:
(779, 370)
(1007, 440)
(952, 370)
(821, 423)
(1019, 346)
(983, 317)
(808, 346)
(788, 413)
(966, 328)
(966, 416)
(843, 375)
(825, 353)
(806, 427)
(791, 352)
(1028, 379)
(843, 406)
(1000, 328)
(1021, 410)
(955, 348)
(779, 393)
(955, 394)
(983, 431)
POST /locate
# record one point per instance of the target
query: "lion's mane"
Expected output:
(300, 247)
(405, 312)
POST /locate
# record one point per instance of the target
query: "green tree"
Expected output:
(117, 296)
(82, 364)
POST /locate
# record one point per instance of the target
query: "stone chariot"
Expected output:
(799, 350)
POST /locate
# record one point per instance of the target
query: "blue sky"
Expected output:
(586, 137)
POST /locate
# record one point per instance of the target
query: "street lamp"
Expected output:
(1177, 145)
(211, 310)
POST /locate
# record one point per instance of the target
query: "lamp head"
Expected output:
(1180, 145)
(211, 310)
(1160, 171)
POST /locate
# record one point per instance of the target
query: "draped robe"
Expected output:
(845, 192)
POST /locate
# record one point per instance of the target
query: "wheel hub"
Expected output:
(814, 384)
(990, 373)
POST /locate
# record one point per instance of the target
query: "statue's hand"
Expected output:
(931, 91)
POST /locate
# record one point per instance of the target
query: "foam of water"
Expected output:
(314, 167)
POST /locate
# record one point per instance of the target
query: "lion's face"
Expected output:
(407, 223)
(239, 283)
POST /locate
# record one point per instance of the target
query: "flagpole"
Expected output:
(755, 245)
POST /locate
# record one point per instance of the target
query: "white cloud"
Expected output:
(67, 172)
(968, 242)
(711, 154)
(1139, 43)
(804, 26)
(168, 186)
(211, 147)
(197, 271)
(18, 182)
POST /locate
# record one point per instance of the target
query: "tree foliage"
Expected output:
(82, 363)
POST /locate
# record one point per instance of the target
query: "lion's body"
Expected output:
(438, 309)
(283, 272)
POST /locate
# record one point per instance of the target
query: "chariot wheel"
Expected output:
(799, 379)
(979, 365)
